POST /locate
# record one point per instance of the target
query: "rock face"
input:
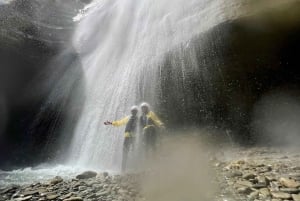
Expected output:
(226, 72)
(34, 38)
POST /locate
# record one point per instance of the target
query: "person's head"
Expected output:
(145, 108)
(134, 110)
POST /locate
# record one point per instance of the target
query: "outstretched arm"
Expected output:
(120, 122)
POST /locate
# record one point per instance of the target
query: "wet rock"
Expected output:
(290, 183)
(296, 168)
(281, 195)
(86, 175)
(51, 196)
(66, 196)
(74, 199)
(258, 186)
(23, 198)
(234, 174)
(248, 176)
(264, 193)
(11, 188)
(56, 180)
(82, 188)
(262, 180)
(102, 193)
(296, 197)
(242, 190)
(290, 190)
(253, 195)
(244, 183)
(30, 192)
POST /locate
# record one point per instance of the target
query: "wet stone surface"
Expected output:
(255, 174)
(103, 187)
(261, 174)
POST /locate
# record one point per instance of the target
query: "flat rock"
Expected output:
(259, 185)
(66, 196)
(23, 198)
(244, 183)
(281, 195)
(296, 197)
(243, 190)
(290, 190)
(290, 183)
(248, 176)
(102, 193)
(74, 199)
(234, 174)
(86, 175)
(51, 196)
(26, 193)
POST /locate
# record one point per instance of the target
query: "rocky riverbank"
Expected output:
(256, 174)
(263, 174)
(88, 186)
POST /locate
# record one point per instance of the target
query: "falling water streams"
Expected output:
(121, 43)
(121, 46)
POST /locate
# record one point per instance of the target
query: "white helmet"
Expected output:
(134, 108)
(144, 104)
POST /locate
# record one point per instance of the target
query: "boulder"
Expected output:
(86, 175)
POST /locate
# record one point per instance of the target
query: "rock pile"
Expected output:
(88, 186)
(264, 178)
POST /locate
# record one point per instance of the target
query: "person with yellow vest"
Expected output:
(130, 131)
(150, 124)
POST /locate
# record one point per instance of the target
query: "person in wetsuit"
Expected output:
(150, 124)
(130, 132)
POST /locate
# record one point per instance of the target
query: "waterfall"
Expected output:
(121, 44)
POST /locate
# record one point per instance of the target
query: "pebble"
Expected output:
(244, 190)
(51, 196)
(23, 198)
(74, 199)
(244, 183)
(296, 197)
(290, 183)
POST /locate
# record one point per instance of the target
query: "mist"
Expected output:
(181, 171)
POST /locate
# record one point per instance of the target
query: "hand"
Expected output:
(107, 123)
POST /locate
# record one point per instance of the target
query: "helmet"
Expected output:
(134, 108)
(145, 105)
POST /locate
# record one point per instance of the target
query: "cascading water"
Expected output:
(121, 44)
